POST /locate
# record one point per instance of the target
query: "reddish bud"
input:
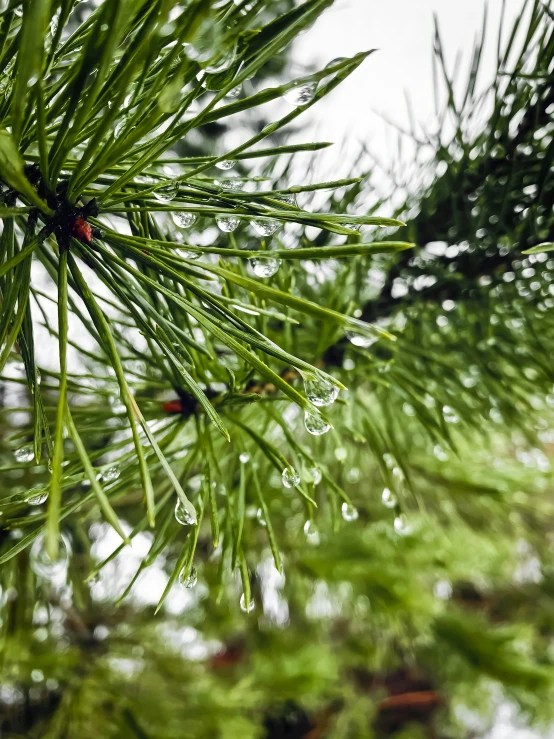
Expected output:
(81, 230)
(173, 406)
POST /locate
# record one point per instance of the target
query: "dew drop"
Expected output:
(247, 607)
(228, 223)
(182, 515)
(111, 474)
(183, 219)
(349, 513)
(338, 60)
(205, 42)
(264, 266)
(244, 458)
(301, 93)
(364, 342)
(41, 562)
(401, 525)
(234, 184)
(311, 532)
(234, 92)
(260, 517)
(388, 498)
(315, 425)
(190, 580)
(226, 164)
(315, 472)
(54, 22)
(38, 498)
(25, 454)
(265, 228)
(289, 198)
(119, 126)
(166, 193)
(290, 477)
(320, 391)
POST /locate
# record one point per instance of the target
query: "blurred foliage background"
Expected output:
(416, 599)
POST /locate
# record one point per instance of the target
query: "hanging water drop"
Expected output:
(364, 342)
(38, 498)
(264, 266)
(41, 562)
(25, 454)
(265, 228)
(183, 516)
(226, 164)
(349, 513)
(247, 607)
(166, 193)
(111, 474)
(315, 425)
(234, 92)
(183, 219)
(315, 472)
(205, 42)
(260, 517)
(401, 525)
(222, 62)
(301, 93)
(311, 532)
(228, 223)
(244, 458)
(190, 580)
(320, 391)
(388, 498)
(290, 477)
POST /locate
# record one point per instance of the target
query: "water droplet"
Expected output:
(311, 532)
(222, 62)
(38, 498)
(226, 164)
(187, 254)
(247, 608)
(182, 515)
(320, 391)
(234, 184)
(228, 223)
(364, 342)
(166, 193)
(388, 498)
(401, 525)
(265, 228)
(190, 580)
(315, 425)
(338, 60)
(25, 454)
(40, 560)
(183, 219)
(111, 474)
(234, 92)
(290, 477)
(349, 513)
(315, 472)
(120, 125)
(54, 22)
(264, 266)
(288, 197)
(301, 93)
(205, 42)
(260, 517)
(244, 458)
(340, 454)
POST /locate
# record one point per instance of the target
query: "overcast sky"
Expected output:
(402, 30)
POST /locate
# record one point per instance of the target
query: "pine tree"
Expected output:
(304, 561)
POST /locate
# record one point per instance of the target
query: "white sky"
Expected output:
(402, 30)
